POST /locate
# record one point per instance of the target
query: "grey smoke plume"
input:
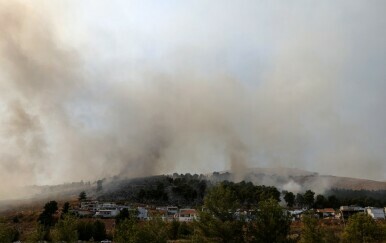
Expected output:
(300, 87)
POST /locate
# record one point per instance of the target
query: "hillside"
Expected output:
(120, 188)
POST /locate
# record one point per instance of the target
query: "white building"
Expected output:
(107, 210)
(107, 213)
(172, 210)
(375, 213)
(89, 205)
(107, 205)
(142, 213)
(187, 215)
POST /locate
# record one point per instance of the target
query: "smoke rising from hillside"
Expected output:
(315, 104)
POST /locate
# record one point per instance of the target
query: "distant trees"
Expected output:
(333, 202)
(82, 196)
(157, 194)
(46, 217)
(99, 185)
(361, 198)
(299, 200)
(66, 207)
(180, 190)
(320, 201)
(309, 198)
(289, 198)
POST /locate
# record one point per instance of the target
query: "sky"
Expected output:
(91, 89)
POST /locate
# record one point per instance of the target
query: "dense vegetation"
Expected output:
(361, 198)
(162, 190)
(228, 212)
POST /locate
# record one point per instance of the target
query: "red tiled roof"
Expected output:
(326, 210)
(188, 211)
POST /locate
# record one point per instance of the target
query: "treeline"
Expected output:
(179, 191)
(161, 190)
(309, 200)
(361, 198)
(187, 189)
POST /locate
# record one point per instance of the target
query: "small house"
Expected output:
(187, 215)
(326, 213)
(375, 213)
(347, 211)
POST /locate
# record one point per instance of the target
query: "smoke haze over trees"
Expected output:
(91, 90)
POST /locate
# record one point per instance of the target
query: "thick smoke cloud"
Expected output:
(299, 87)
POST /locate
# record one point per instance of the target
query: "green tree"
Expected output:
(320, 201)
(330, 235)
(272, 223)
(46, 217)
(222, 202)
(218, 222)
(311, 231)
(309, 198)
(66, 230)
(65, 209)
(99, 185)
(173, 228)
(153, 231)
(361, 228)
(82, 196)
(214, 229)
(125, 214)
(85, 230)
(99, 232)
(127, 231)
(185, 230)
(333, 202)
(289, 198)
(131, 231)
(300, 200)
(7, 232)
(41, 233)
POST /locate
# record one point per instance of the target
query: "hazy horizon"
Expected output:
(92, 89)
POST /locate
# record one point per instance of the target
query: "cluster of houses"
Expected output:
(93, 208)
(343, 213)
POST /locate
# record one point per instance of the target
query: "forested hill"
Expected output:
(187, 189)
(163, 189)
(182, 190)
